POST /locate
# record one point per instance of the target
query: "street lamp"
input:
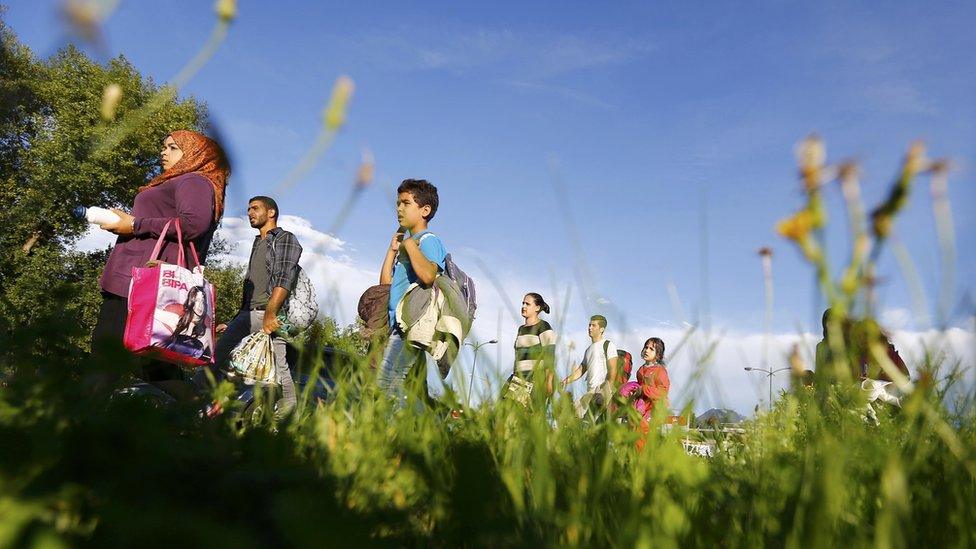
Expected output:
(769, 374)
(474, 363)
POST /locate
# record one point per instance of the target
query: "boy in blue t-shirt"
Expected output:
(408, 260)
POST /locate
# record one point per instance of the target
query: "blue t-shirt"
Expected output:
(403, 273)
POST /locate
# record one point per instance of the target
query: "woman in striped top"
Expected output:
(535, 350)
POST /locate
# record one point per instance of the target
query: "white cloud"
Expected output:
(899, 97)
(520, 54)
(896, 318)
(524, 60)
(95, 240)
(563, 91)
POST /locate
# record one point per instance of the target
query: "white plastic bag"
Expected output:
(253, 359)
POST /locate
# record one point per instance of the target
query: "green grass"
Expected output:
(76, 468)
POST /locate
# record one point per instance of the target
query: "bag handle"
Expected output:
(193, 252)
(181, 260)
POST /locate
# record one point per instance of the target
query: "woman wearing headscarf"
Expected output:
(191, 188)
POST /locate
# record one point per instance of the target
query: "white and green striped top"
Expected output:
(534, 344)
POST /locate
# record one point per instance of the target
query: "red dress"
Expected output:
(651, 387)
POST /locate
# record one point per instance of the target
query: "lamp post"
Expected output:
(769, 374)
(474, 364)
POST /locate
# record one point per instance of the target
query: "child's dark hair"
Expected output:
(541, 303)
(658, 344)
(423, 192)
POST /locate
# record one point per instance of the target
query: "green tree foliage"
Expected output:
(50, 124)
(228, 281)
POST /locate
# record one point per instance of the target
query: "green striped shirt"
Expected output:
(534, 344)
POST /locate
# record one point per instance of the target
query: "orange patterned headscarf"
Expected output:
(201, 155)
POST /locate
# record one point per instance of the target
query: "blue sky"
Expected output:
(666, 125)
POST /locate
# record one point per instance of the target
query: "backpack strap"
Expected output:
(420, 241)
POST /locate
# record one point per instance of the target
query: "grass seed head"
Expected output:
(915, 158)
(84, 16)
(335, 111)
(365, 173)
(226, 10)
(111, 97)
(811, 155)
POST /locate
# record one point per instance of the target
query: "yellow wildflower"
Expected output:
(796, 227)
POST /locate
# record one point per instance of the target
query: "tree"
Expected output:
(228, 281)
(50, 126)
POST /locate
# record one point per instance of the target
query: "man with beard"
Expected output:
(271, 273)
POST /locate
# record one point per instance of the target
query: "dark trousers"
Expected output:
(110, 329)
(110, 326)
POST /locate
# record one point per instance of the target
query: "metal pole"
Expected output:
(474, 365)
(769, 373)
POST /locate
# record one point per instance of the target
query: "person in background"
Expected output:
(600, 366)
(190, 188)
(535, 353)
(863, 347)
(650, 391)
(652, 385)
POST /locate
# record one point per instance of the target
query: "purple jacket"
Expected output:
(190, 197)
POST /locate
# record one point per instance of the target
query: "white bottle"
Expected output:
(96, 215)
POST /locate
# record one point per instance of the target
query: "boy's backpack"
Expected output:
(463, 281)
(625, 363)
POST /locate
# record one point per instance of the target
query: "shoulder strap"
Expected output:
(271, 240)
(274, 238)
(606, 349)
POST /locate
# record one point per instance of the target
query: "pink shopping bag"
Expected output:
(171, 309)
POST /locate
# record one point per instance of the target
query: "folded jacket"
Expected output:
(435, 319)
